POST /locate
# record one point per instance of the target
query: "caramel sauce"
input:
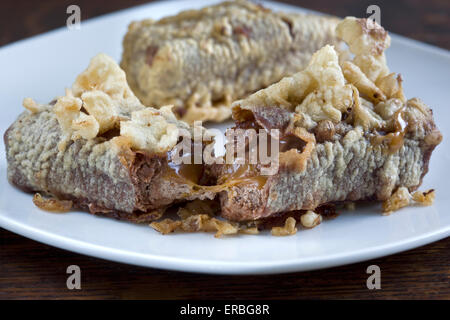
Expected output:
(234, 174)
(187, 172)
(237, 174)
(191, 174)
(395, 139)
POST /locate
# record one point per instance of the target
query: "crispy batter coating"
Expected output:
(51, 204)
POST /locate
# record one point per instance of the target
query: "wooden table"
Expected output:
(31, 270)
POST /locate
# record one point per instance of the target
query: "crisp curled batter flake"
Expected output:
(52, 204)
(362, 85)
(200, 223)
(288, 229)
(32, 106)
(149, 129)
(402, 198)
(101, 100)
(367, 41)
(332, 85)
(104, 74)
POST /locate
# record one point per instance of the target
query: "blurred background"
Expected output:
(424, 20)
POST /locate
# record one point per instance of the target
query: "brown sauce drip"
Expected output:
(187, 172)
(190, 173)
(395, 139)
(237, 174)
(234, 174)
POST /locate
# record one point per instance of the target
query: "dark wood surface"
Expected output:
(30, 270)
(424, 20)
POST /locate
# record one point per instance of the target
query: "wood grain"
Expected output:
(427, 21)
(30, 270)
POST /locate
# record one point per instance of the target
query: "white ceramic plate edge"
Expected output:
(204, 266)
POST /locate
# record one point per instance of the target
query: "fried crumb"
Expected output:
(224, 228)
(310, 219)
(198, 216)
(165, 226)
(197, 223)
(198, 206)
(288, 229)
(402, 198)
(252, 230)
(425, 198)
(51, 204)
(205, 223)
(31, 105)
(399, 199)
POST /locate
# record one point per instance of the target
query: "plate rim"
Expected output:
(220, 267)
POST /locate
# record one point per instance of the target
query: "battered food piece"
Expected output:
(347, 133)
(201, 60)
(100, 148)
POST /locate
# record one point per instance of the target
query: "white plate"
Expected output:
(43, 66)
